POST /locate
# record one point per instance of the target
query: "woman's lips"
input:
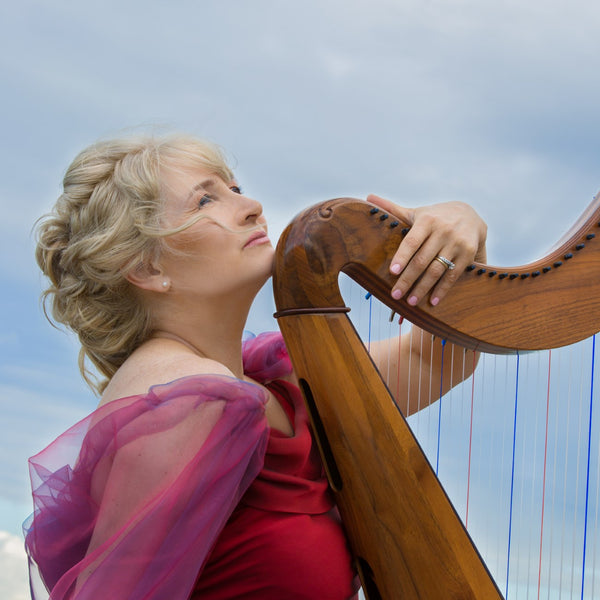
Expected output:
(256, 239)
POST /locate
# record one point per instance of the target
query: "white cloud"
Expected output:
(13, 568)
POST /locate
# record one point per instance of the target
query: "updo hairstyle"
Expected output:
(106, 223)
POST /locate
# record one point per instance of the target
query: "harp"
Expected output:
(407, 538)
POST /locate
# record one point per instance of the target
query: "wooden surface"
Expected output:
(396, 513)
(545, 304)
(402, 528)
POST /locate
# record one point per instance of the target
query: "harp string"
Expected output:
(440, 402)
(544, 472)
(594, 570)
(554, 484)
(468, 487)
(550, 541)
(589, 447)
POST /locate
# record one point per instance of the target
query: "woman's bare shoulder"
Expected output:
(157, 363)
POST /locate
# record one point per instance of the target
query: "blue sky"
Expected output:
(493, 103)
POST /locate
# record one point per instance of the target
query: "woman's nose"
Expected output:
(251, 209)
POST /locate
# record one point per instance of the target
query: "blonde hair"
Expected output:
(105, 223)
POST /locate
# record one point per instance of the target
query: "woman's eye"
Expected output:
(204, 200)
(236, 189)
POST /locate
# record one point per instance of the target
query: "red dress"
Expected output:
(284, 540)
(217, 504)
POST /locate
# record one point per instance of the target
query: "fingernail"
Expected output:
(395, 269)
(413, 300)
(397, 294)
(434, 301)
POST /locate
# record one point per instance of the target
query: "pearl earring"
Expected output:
(165, 284)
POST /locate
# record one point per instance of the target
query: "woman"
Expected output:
(196, 477)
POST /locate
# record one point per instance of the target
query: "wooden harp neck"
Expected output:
(544, 304)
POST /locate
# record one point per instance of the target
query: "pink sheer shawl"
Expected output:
(129, 501)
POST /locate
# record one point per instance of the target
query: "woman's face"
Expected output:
(225, 250)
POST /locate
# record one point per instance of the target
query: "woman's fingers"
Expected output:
(442, 241)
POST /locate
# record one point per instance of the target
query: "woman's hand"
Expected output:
(452, 231)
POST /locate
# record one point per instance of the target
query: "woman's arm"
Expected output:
(412, 363)
(155, 481)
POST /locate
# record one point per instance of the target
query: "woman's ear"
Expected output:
(148, 277)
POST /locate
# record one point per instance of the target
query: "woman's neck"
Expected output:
(210, 327)
(216, 340)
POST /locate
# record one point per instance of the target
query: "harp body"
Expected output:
(406, 536)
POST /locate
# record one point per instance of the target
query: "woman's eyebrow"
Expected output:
(206, 184)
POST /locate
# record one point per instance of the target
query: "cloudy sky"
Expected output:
(490, 102)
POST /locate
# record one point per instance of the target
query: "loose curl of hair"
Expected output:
(106, 223)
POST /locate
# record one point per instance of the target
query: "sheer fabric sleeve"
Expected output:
(128, 503)
(266, 357)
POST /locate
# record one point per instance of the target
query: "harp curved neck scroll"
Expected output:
(408, 540)
(544, 304)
